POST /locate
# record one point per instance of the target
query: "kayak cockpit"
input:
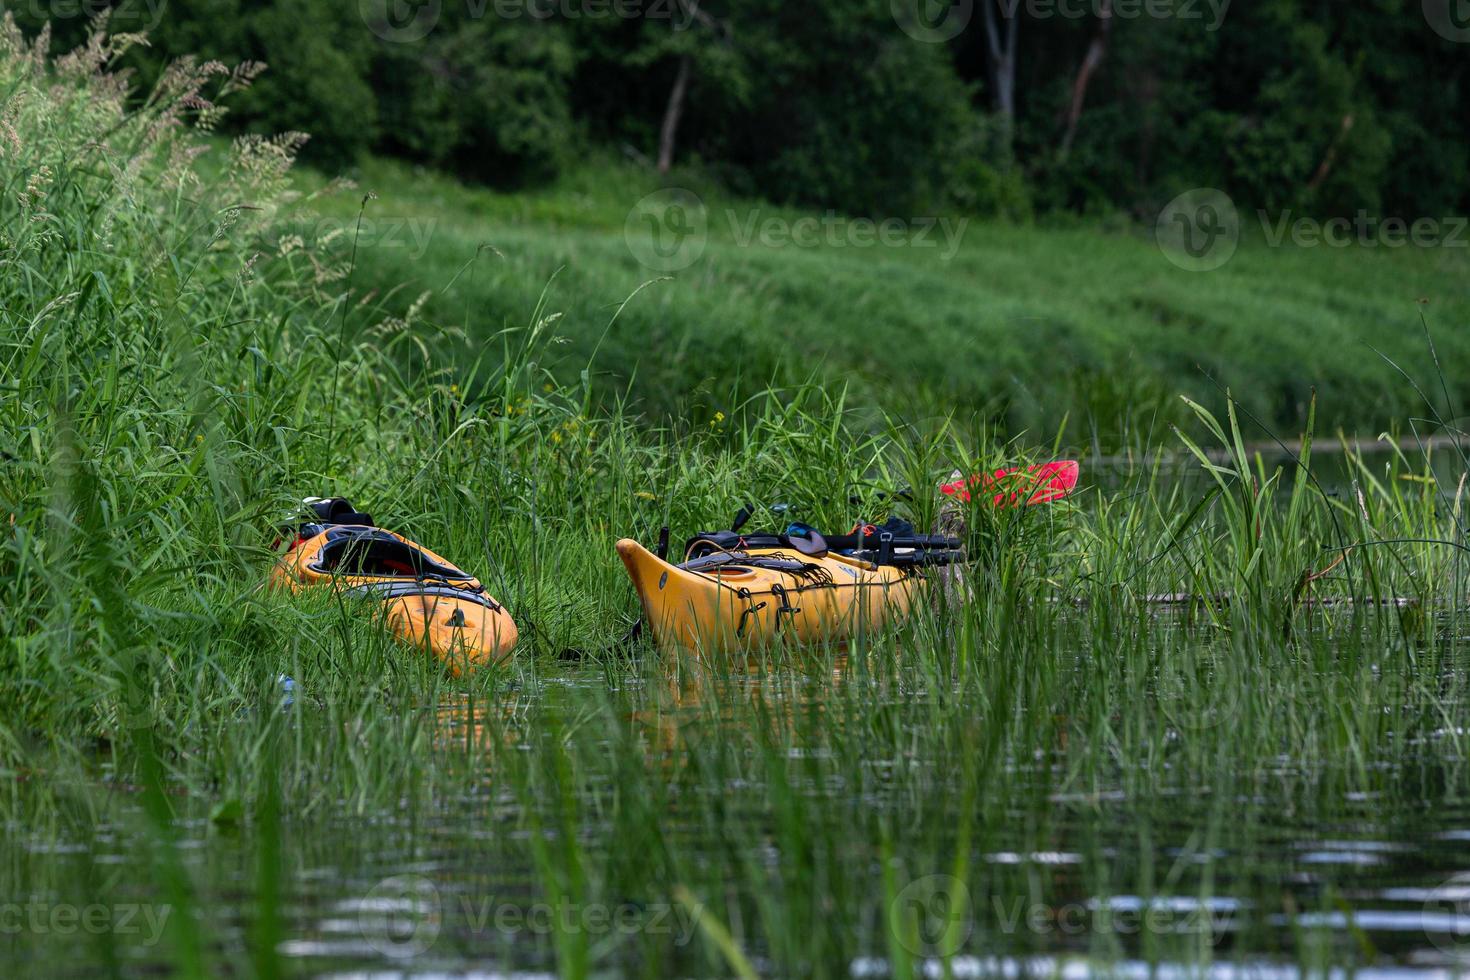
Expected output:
(367, 551)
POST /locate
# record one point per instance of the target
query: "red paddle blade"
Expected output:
(1038, 484)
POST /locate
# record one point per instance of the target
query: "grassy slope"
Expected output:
(1035, 322)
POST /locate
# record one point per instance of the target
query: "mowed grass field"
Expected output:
(1026, 325)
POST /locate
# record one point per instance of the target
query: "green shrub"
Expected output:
(483, 97)
(318, 55)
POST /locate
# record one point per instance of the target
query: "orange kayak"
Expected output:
(429, 603)
(741, 599)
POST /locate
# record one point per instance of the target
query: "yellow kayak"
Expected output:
(737, 599)
(428, 602)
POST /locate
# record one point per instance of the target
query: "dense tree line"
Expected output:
(876, 106)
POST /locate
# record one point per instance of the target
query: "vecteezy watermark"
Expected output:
(937, 21)
(1366, 231)
(933, 915)
(143, 920)
(1199, 230)
(832, 230)
(411, 234)
(1210, 12)
(679, 14)
(406, 21)
(403, 916)
(667, 230)
(1447, 918)
(128, 15)
(580, 918)
(1119, 916)
(1449, 18)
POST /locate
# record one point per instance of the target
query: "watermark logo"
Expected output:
(400, 21)
(1447, 918)
(933, 915)
(401, 916)
(1449, 18)
(933, 21)
(667, 230)
(1199, 230)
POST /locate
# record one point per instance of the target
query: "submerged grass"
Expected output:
(178, 375)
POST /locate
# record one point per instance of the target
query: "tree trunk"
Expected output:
(1096, 51)
(669, 132)
(1323, 171)
(1002, 49)
(1001, 45)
